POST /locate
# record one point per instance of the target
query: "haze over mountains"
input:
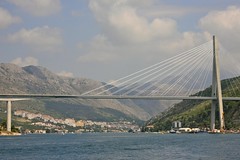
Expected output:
(39, 80)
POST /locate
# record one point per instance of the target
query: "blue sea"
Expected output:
(121, 146)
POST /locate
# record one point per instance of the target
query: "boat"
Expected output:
(172, 131)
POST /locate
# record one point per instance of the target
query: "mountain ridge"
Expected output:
(39, 80)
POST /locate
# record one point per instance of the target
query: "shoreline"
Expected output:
(6, 133)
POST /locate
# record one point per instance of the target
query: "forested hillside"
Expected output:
(196, 113)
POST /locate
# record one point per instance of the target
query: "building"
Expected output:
(80, 123)
(176, 124)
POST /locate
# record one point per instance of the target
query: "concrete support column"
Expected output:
(216, 89)
(219, 89)
(9, 115)
(213, 110)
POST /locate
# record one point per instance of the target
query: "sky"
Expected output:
(109, 39)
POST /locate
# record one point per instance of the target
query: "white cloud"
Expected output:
(65, 74)
(222, 20)
(42, 39)
(38, 7)
(123, 24)
(161, 9)
(25, 61)
(129, 40)
(6, 19)
(99, 50)
(127, 34)
(225, 24)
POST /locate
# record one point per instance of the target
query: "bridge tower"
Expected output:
(216, 89)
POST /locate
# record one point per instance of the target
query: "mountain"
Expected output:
(196, 113)
(39, 80)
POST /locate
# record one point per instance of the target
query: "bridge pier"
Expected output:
(9, 115)
(213, 109)
(9, 109)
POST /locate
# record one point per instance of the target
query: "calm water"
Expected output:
(122, 146)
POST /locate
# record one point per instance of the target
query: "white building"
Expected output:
(176, 124)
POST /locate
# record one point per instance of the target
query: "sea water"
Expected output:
(121, 146)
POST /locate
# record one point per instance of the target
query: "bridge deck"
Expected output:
(24, 96)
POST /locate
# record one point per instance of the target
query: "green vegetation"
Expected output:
(3, 127)
(196, 113)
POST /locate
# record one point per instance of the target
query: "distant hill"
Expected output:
(39, 80)
(196, 113)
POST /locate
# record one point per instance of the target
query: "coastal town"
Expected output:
(38, 123)
(43, 123)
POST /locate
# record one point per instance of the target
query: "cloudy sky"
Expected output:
(108, 39)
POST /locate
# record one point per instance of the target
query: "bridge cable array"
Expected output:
(230, 71)
(185, 74)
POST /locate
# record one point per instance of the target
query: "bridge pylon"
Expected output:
(216, 89)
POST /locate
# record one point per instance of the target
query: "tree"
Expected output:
(4, 125)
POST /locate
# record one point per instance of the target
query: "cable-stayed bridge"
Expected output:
(181, 77)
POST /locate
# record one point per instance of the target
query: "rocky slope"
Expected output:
(39, 80)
